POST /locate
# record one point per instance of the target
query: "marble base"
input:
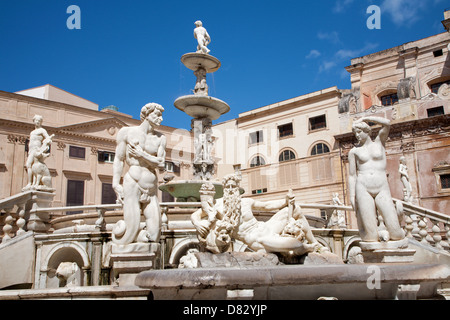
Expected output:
(387, 252)
(127, 261)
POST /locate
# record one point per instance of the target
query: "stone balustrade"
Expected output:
(427, 226)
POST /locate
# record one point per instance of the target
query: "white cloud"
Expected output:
(330, 36)
(350, 54)
(341, 5)
(326, 66)
(403, 12)
(313, 54)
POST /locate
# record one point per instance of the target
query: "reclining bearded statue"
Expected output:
(231, 217)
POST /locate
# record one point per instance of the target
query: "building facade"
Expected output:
(82, 151)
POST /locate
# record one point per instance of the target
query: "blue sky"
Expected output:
(127, 53)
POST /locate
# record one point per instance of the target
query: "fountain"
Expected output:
(203, 109)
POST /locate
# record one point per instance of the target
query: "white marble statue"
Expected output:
(337, 219)
(202, 37)
(368, 185)
(231, 217)
(404, 177)
(142, 148)
(39, 177)
(67, 274)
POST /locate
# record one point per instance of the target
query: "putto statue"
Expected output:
(39, 177)
(142, 148)
(202, 37)
(231, 217)
(368, 185)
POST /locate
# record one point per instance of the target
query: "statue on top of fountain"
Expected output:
(202, 37)
(231, 217)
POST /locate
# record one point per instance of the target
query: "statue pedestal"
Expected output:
(387, 252)
(127, 261)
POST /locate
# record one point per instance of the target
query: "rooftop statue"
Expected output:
(202, 37)
(231, 217)
(142, 148)
(39, 177)
(368, 185)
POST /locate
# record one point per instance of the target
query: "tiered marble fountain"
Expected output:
(203, 109)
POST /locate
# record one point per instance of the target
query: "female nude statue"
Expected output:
(368, 186)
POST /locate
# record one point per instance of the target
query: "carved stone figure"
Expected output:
(404, 177)
(368, 186)
(38, 150)
(142, 148)
(67, 274)
(201, 87)
(337, 219)
(202, 37)
(231, 217)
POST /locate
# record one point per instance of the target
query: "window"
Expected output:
(323, 214)
(445, 181)
(435, 87)
(317, 123)
(108, 194)
(259, 191)
(438, 53)
(256, 137)
(105, 156)
(389, 100)
(285, 130)
(320, 148)
(168, 166)
(433, 112)
(257, 161)
(77, 152)
(286, 155)
(75, 194)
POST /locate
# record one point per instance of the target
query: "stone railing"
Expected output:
(426, 226)
(19, 214)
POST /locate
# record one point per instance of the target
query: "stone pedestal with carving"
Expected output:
(127, 261)
(387, 252)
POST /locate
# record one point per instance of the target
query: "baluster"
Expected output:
(7, 228)
(423, 230)
(21, 220)
(409, 226)
(437, 236)
(446, 243)
(164, 218)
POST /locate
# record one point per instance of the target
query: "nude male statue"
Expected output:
(202, 37)
(38, 147)
(142, 148)
(368, 186)
(232, 217)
